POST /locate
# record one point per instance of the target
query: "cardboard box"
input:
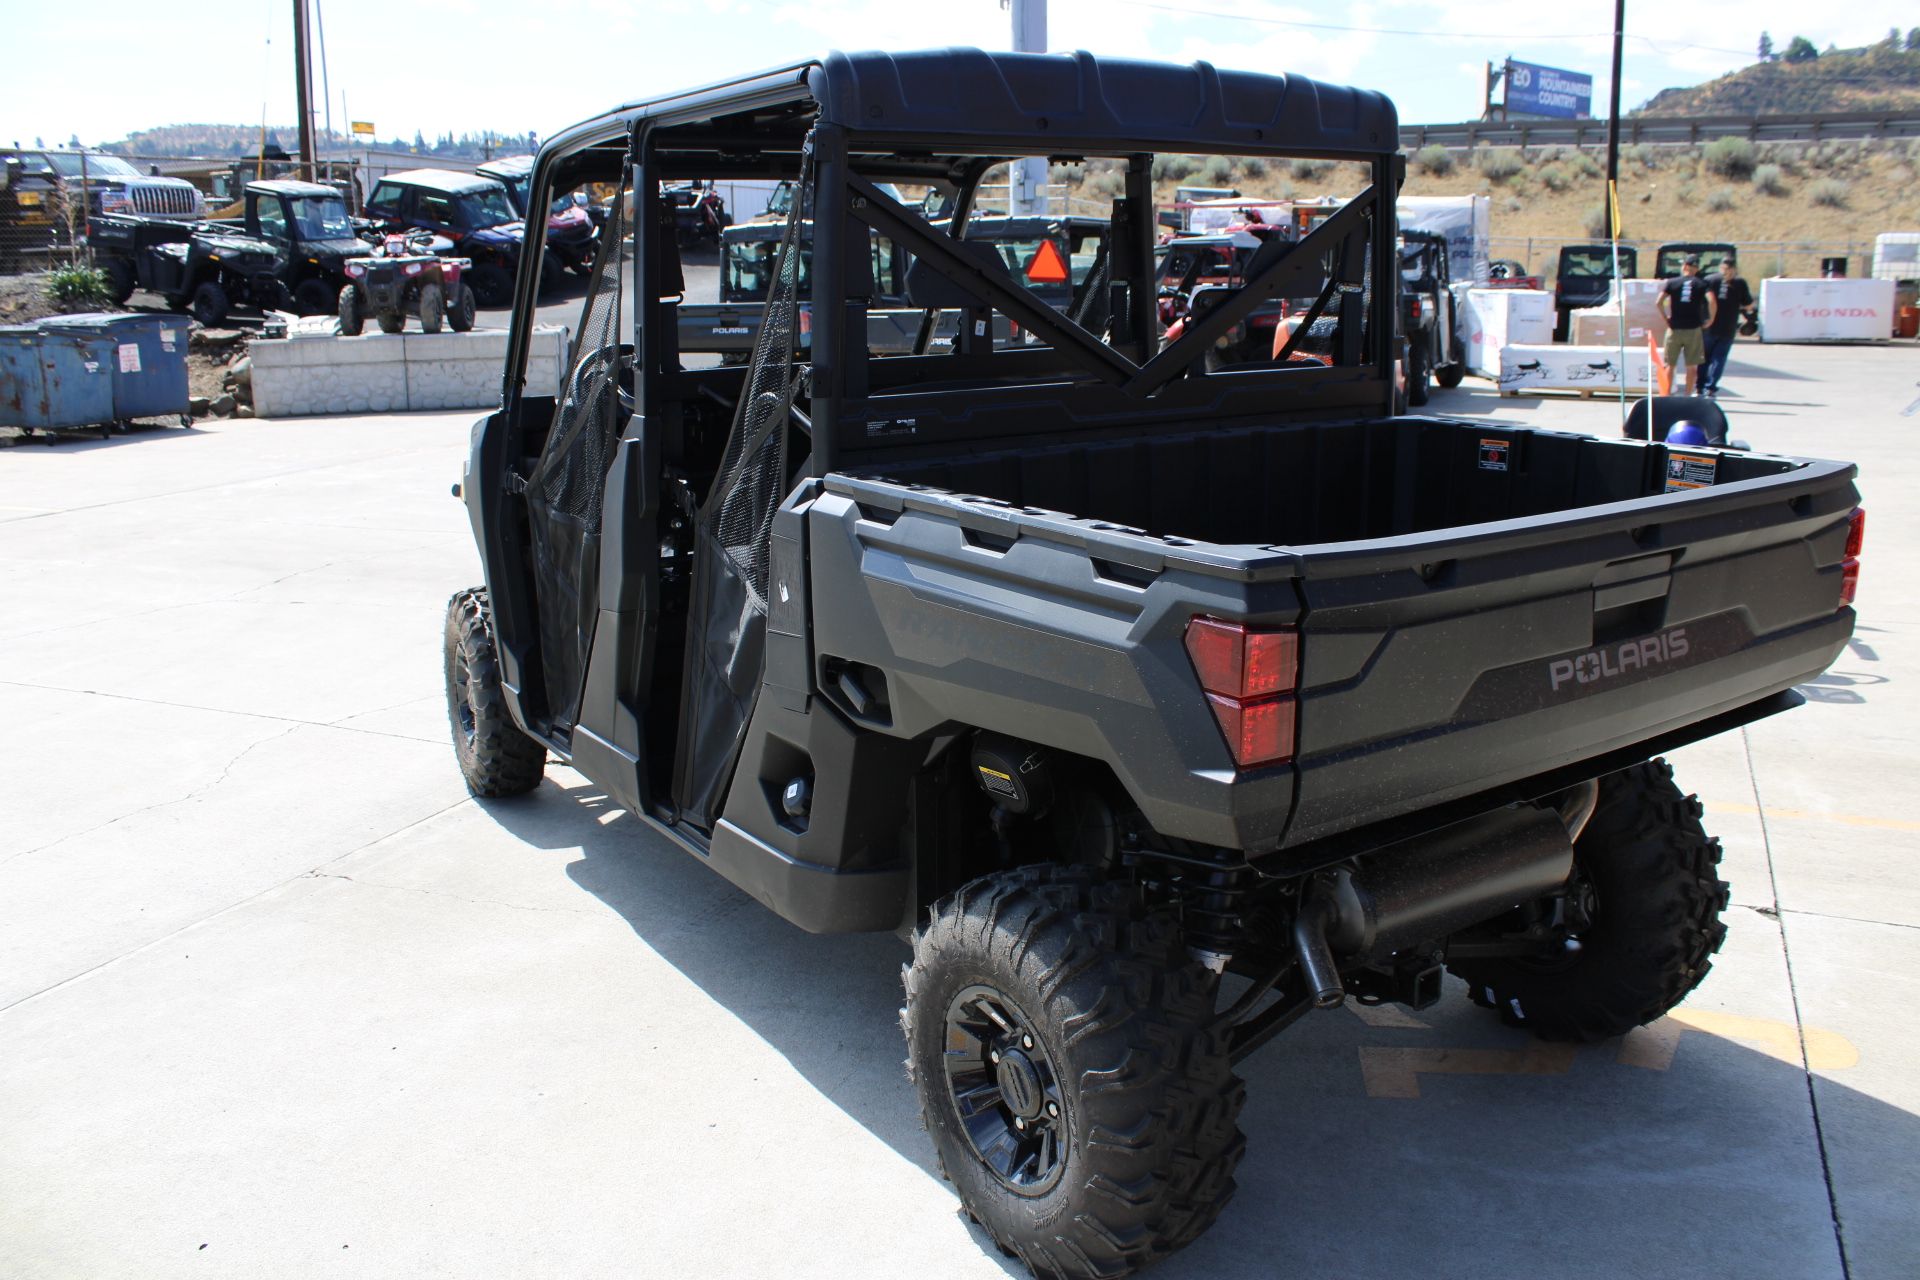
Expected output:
(1546, 367)
(1600, 327)
(1497, 318)
(1844, 310)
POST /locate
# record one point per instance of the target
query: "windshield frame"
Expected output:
(473, 208)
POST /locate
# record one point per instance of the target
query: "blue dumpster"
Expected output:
(55, 381)
(149, 360)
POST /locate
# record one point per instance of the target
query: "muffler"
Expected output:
(1423, 889)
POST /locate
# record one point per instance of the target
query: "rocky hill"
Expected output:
(1882, 77)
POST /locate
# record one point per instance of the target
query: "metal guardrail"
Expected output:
(1663, 130)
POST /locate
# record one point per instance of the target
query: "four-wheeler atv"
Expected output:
(1159, 706)
(474, 213)
(197, 268)
(406, 275)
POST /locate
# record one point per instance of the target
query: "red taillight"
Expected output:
(1850, 567)
(1416, 307)
(1249, 676)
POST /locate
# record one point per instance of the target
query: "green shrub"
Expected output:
(1436, 159)
(1720, 200)
(1767, 180)
(1514, 204)
(1254, 167)
(1310, 170)
(1109, 183)
(1830, 192)
(1730, 157)
(1174, 168)
(1216, 171)
(1684, 193)
(1497, 164)
(78, 288)
(1554, 177)
(1597, 222)
(1585, 166)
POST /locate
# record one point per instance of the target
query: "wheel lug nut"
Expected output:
(993, 1056)
(1026, 1042)
(1053, 1109)
(1019, 1123)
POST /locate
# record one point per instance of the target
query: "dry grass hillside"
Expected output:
(1786, 204)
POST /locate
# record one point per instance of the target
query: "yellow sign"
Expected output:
(363, 128)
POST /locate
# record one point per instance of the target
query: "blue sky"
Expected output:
(105, 67)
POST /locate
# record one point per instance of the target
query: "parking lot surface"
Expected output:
(277, 998)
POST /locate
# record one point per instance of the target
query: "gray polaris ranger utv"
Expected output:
(1161, 700)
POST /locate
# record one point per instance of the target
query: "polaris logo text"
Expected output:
(1616, 660)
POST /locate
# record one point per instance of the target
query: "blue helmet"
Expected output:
(1686, 432)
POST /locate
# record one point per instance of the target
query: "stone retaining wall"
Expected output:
(305, 375)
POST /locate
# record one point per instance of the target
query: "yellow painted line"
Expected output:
(1395, 1073)
(1804, 815)
(1653, 1047)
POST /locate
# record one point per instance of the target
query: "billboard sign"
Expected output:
(1548, 91)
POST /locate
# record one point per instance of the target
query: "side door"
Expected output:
(267, 217)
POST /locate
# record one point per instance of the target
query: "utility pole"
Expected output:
(303, 88)
(1027, 182)
(1613, 127)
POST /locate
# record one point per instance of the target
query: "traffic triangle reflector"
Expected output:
(1048, 265)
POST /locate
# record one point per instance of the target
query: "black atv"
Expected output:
(196, 268)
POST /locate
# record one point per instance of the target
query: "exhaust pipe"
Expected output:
(1423, 889)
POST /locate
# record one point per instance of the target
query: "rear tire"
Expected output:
(460, 309)
(1653, 871)
(351, 320)
(496, 758)
(1070, 1070)
(391, 321)
(210, 304)
(1419, 379)
(432, 306)
(1449, 375)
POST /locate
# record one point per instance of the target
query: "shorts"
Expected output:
(1688, 343)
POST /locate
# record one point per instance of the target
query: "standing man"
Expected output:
(1687, 305)
(1731, 300)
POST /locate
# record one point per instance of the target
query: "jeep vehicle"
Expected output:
(570, 228)
(1427, 320)
(1666, 263)
(312, 236)
(200, 269)
(1156, 707)
(474, 213)
(1584, 279)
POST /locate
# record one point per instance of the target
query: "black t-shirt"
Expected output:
(1688, 303)
(1731, 297)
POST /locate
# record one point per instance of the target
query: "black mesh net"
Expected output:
(733, 537)
(565, 489)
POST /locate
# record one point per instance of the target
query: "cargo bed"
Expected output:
(1479, 604)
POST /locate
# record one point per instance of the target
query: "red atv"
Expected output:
(404, 275)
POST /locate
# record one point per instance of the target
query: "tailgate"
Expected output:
(1438, 665)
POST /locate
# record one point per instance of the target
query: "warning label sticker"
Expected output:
(996, 782)
(1690, 470)
(1493, 454)
(129, 357)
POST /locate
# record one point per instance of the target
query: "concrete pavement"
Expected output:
(278, 998)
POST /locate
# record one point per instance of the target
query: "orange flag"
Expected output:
(1662, 375)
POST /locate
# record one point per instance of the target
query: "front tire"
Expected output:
(1652, 874)
(492, 286)
(351, 320)
(315, 297)
(1449, 375)
(432, 306)
(1071, 1071)
(496, 758)
(460, 309)
(120, 281)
